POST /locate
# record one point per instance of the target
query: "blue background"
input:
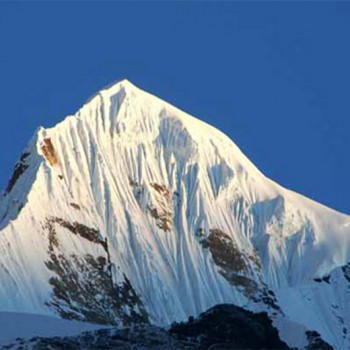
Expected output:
(274, 76)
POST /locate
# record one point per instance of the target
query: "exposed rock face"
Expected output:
(83, 287)
(49, 151)
(157, 201)
(20, 168)
(162, 209)
(316, 342)
(231, 261)
(76, 228)
(346, 271)
(235, 267)
(230, 327)
(225, 253)
(75, 206)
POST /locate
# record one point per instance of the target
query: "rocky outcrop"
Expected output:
(230, 327)
(346, 271)
(20, 168)
(222, 327)
(162, 209)
(157, 201)
(316, 342)
(82, 285)
(230, 260)
(75, 206)
(49, 151)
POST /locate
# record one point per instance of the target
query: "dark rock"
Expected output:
(230, 327)
(82, 285)
(222, 327)
(20, 168)
(316, 342)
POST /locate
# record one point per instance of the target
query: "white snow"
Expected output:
(20, 325)
(111, 153)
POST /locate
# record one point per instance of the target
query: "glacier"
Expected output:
(132, 211)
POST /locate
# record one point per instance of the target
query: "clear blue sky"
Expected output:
(274, 76)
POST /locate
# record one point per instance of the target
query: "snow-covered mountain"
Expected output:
(132, 211)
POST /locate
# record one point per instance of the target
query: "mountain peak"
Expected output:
(132, 210)
(119, 84)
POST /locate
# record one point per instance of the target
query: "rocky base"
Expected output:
(221, 327)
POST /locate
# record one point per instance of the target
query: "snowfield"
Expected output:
(15, 325)
(132, 211)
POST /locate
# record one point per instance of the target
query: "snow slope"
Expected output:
(133, 211)
(15, 325)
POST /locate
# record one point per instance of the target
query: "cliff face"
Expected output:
(132, 211)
